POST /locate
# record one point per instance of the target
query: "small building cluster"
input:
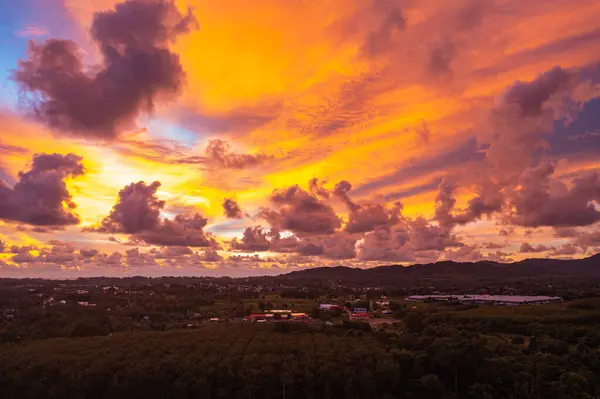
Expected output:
(360, 314)
(506, 300)
(278, 315)
(329, 306)
(353, 313)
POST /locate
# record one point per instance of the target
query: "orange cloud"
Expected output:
(392, 96)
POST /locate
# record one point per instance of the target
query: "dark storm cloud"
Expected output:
(137, 209)
(534, 195)
(385, 244)
(542, 200)
(406, 240)
(426, 236)
(136, 258)
(514, 179)
(410, 240)
(24, 257)
(231, 209)
(310, 249)
(38, 196)
(365, 217)
(529, 97)
(471, 254)
(137, 212)
(137, 69)
(184, 230)
(588, 239)
(487, 202)
(566, 232)
(15, 249)
(301, 213)
(209, 255)
(373, 231)
(283, 244)
(565, 250)
(334, 246)
(253, 240)
(88, 253)
(445, 202)
(370, 216)
(528, 248)
(522, 120)
(339, 246)
(58, 254)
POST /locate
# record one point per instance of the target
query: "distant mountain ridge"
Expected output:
(528, 268)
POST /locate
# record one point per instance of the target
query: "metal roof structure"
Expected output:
(486, 298)
(509, 298)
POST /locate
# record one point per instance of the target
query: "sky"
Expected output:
(174, 137)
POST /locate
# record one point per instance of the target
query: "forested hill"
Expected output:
(588, 268)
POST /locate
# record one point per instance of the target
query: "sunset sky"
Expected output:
(244, 137)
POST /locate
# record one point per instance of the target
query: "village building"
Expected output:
(504, 300)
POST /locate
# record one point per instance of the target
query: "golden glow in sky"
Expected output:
(415, 131)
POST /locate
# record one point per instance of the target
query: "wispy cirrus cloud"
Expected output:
(33, 31)
(487, 135)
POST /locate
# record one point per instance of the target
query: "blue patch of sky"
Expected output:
(161, 128)
(229, 228)
(581, 135)
(12, 19)
(15, 16)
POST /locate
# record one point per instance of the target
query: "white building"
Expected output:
(423, 298)
(327, 306)
(508, 300)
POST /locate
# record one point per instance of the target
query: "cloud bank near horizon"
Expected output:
(183, 138)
